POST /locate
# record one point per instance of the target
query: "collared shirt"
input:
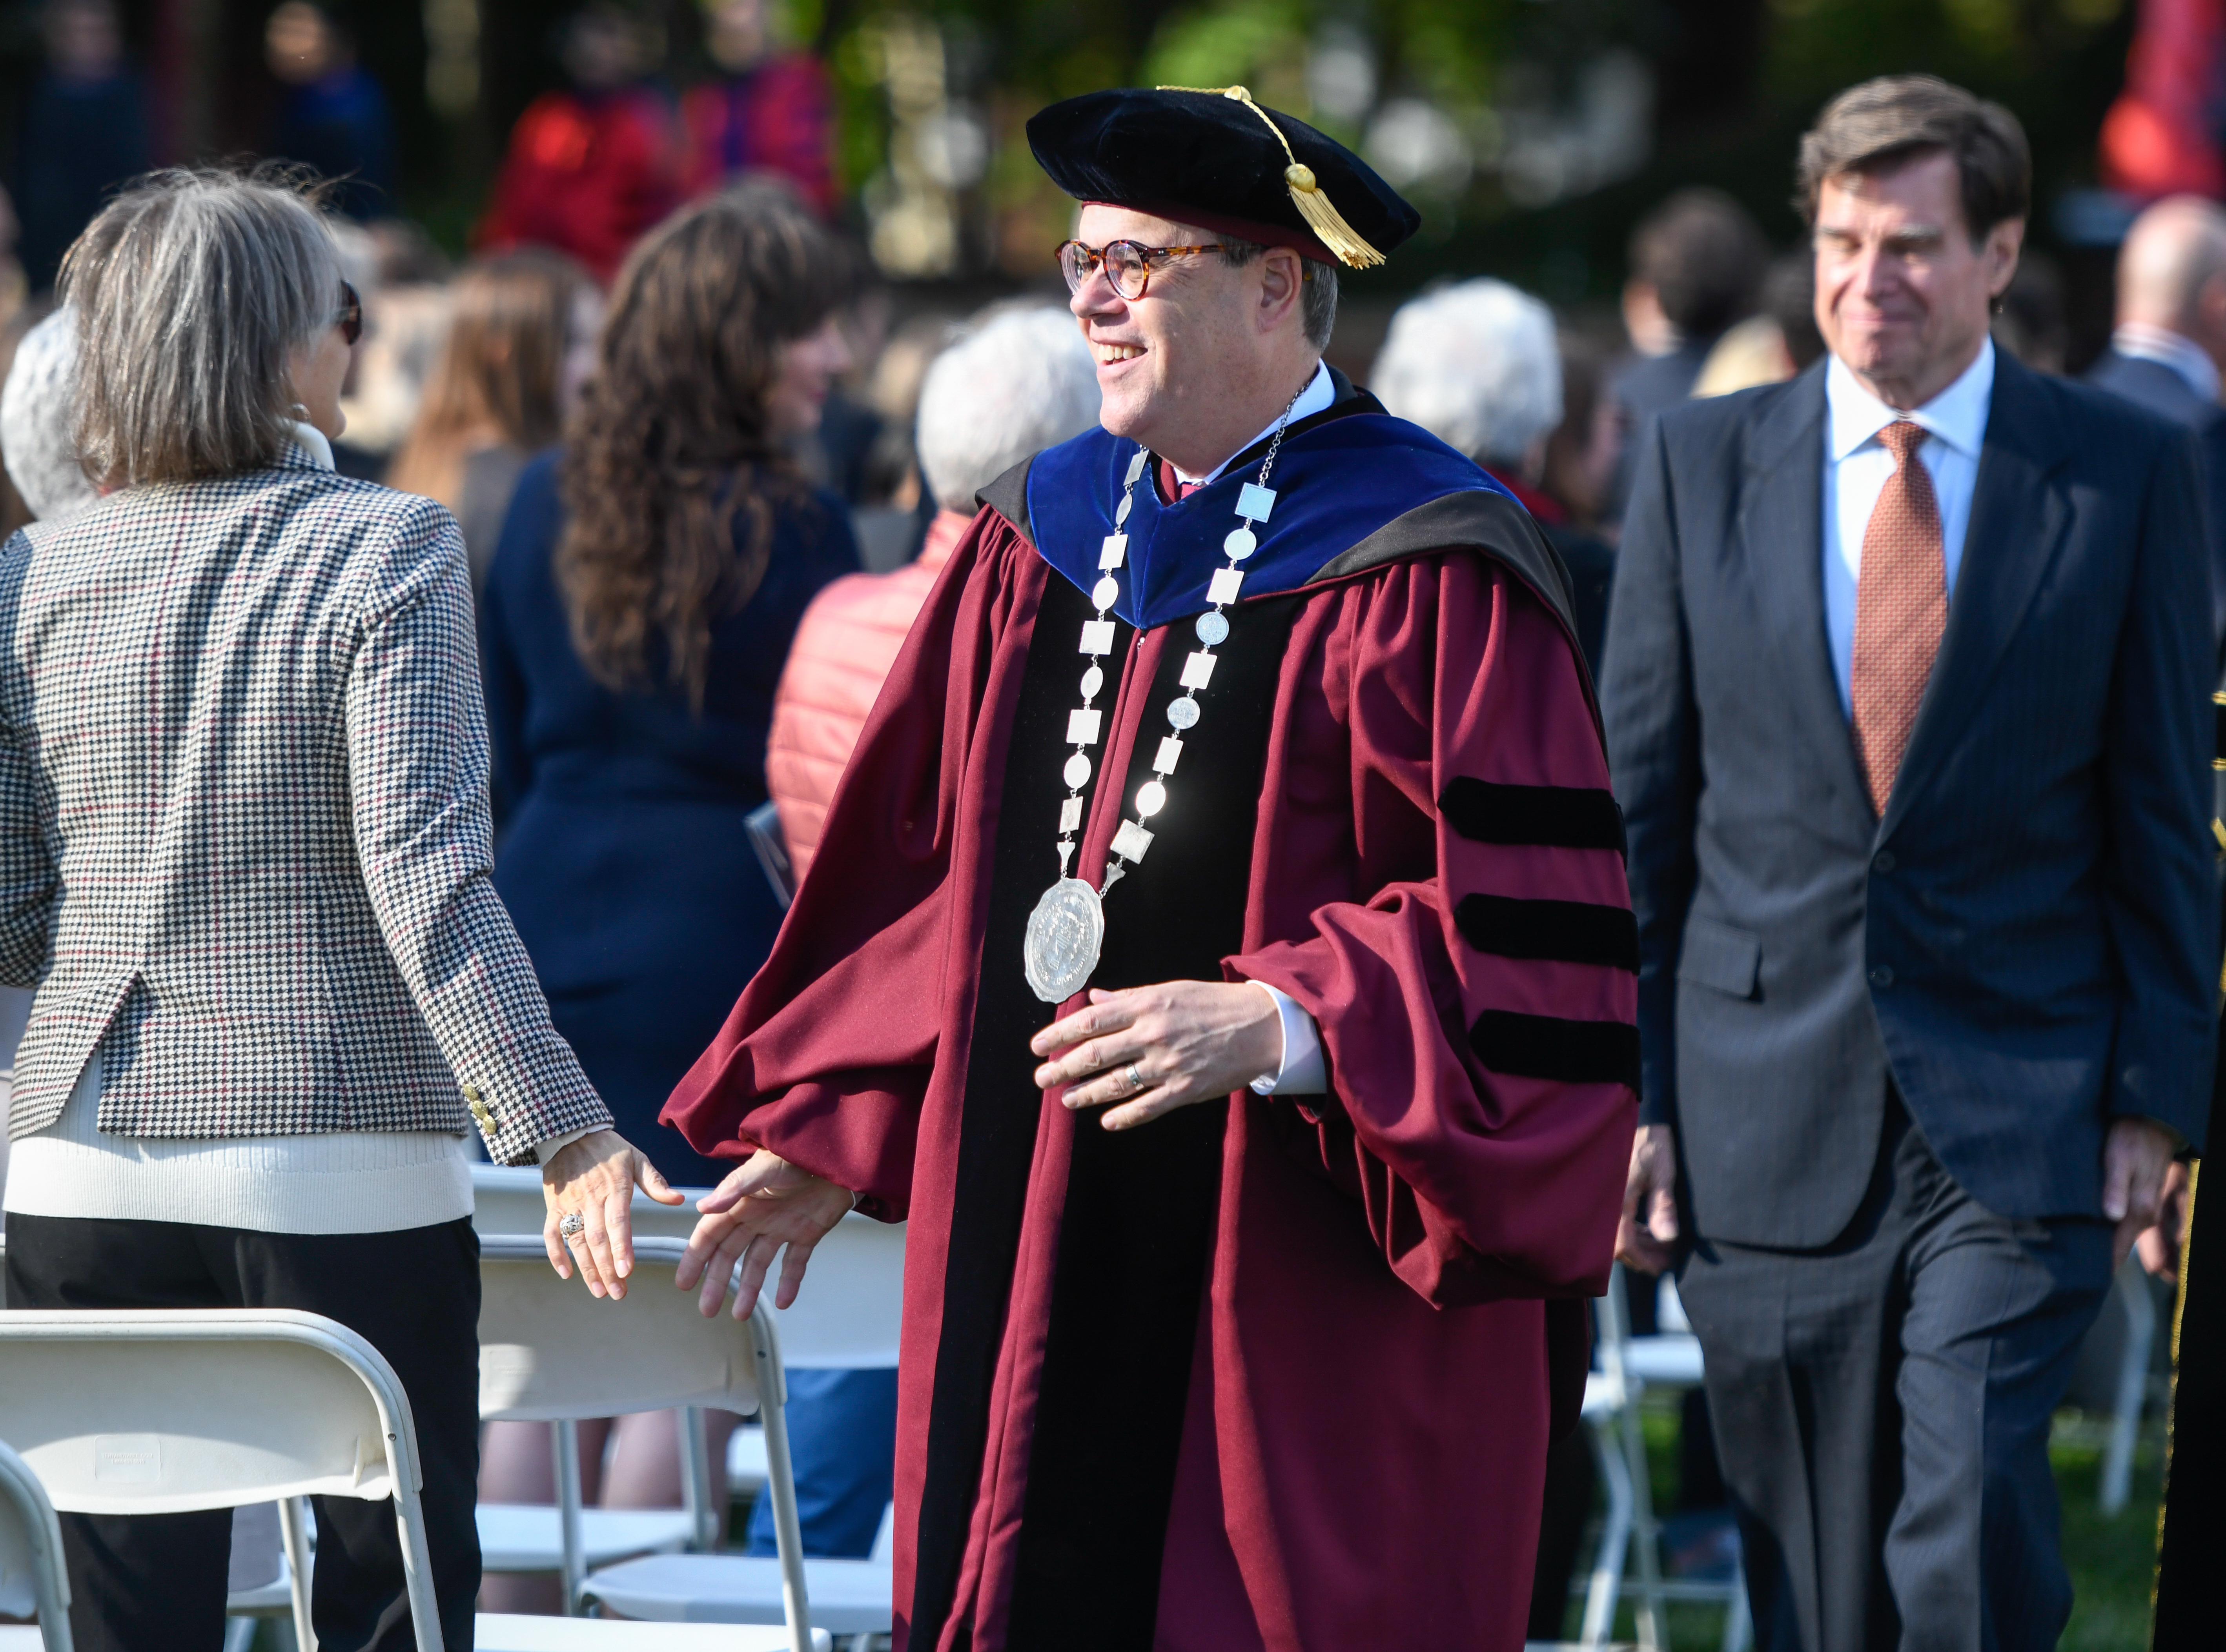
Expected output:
(1856, 466)
(2141, 342)
(1318, 394)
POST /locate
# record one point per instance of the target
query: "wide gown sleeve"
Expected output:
(826, 1056)
(1480, 1175)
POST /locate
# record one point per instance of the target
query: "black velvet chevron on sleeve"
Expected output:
(1568, 818)
(2218, 709)
(1546, 1046)
(1565, 931)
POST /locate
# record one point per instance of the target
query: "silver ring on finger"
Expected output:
(1135, 1079)
(573, 1225)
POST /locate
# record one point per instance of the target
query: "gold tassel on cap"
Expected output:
(1307, 195)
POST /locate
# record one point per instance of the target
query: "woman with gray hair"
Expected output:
(1477, 365)
(245, 858)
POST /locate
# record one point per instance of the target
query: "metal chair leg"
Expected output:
(568, 1513)
(294, 1533)
(1606, 1585)
(2132, 1387)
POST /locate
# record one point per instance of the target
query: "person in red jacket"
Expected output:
(591, 167)
(1022, 382)
(767, 111)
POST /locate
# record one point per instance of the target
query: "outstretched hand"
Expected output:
(766, 1203)
(594, 1178)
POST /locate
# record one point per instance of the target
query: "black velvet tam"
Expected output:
(1202, 158)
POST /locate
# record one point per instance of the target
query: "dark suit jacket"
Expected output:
(2025, 945)
(2156, 387)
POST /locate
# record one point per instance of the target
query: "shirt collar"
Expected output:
(2143, 342)
(1318, 394)
(1957, 414)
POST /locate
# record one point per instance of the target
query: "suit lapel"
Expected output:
(1782, 536)
(2017, 519)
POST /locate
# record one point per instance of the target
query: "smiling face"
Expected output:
(1207, 358)
(1903, 294)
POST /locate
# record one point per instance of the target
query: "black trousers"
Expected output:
(1882, 1411)
(155, 1582)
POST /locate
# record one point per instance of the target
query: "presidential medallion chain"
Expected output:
(1066, 932)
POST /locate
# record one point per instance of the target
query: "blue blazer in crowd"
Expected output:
(622, 857)
(2025, 945)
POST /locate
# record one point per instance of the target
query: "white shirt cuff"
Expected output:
(545, 1150)
(1301, 1071)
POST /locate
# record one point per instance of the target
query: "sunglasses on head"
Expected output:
(349, 317)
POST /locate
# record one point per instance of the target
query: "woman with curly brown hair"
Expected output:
(635, 621)
(633, 629)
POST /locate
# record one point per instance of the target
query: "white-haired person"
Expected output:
(1017, 383)
(1477, 365)
(244, 857)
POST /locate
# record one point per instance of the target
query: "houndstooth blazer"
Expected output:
(244, 843)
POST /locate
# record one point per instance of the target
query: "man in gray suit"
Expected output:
(2170, 343)
(1908, 667)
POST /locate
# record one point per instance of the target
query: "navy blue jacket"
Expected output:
(2156, 387)
(623, 859)
(2025, 945)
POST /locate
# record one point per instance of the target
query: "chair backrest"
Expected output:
(32, 1578)
(848, 1315)
(159, 1412)
(548, 1351)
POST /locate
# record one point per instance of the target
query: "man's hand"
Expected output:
(1646, 1237)
(2135, 1155)
(1155, 1048)
(2159, 1246)
(594, 1177)
(766, 1203)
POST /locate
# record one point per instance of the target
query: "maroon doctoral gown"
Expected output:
(1272, 1372)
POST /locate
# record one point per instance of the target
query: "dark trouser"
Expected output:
(155, 1582)
(1882, 1410)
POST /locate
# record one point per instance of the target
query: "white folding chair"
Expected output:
(548, 1352)
(530, 1537)
(2137, 1301)
(848, 1315)
(33, 1579)
(150, 1413)
(1627, 1365)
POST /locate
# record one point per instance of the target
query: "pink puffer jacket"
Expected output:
(843, 649)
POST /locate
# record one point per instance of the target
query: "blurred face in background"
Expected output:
(808, 367)
(1903, 293)
(84, 40)
(298, 44)
(601, 51)
(736, 32)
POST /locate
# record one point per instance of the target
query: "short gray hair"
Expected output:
(1316, 291)
(38, 421)
(1022, 382)
(192, 288)
(1475, 365)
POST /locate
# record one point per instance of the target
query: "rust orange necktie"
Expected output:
(1901, 610)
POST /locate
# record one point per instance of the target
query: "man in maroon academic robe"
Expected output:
(1243, 1296)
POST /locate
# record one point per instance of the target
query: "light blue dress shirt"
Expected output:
(1857, 465)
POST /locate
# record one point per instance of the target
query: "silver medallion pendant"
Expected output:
(1065, 933)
